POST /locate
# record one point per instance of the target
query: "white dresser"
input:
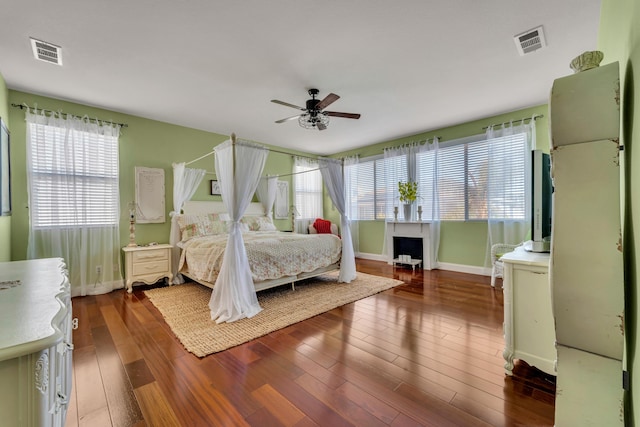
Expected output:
(35, 342)
(529, 333)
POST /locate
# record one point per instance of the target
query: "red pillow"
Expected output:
(322, 226)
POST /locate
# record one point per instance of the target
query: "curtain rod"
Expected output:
(415, 142)
(22, 107)
(536, 117)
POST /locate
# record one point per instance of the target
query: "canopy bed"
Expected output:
(275, 257)
(239, 165)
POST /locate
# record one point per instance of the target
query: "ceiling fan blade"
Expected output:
(287, 119)
(345, 115)
(328, 100)
(320, 126)
(286, 104)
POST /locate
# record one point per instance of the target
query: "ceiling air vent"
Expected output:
(530, 41)
(46, 52)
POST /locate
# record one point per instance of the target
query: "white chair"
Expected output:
(497, 251)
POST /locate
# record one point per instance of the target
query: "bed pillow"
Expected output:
(200, 225)
(266, 224)
(322, 226)
(258, 223)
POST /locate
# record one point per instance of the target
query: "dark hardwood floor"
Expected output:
(428, 352)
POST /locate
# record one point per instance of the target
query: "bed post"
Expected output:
(233, 154)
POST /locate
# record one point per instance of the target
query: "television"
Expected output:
(541, 201)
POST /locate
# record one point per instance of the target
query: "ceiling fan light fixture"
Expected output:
(309, 121)
(314, 116)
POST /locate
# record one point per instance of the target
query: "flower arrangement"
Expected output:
(408, 191)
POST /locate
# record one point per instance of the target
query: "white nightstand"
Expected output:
(147, 264)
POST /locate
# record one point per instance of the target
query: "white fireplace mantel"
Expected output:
(419, 229)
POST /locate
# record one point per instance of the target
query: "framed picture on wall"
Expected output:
(215, 188)
(5, 171)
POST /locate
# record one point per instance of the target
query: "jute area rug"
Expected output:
(186, 309)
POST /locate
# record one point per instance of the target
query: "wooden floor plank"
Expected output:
(278, 405)
(123, 406)
(425, 353)
(89, 390)
(341, 403)
(154, 406)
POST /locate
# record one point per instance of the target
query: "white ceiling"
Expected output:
(407, 66)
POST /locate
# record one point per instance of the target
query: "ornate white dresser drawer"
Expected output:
(147, 264)
(35, 342)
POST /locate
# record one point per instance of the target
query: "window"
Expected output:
(462, 180)
(73, 177)
(367, 197)
(72, 174)
(307, 182)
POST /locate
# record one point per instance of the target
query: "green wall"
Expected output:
(144, 142)
(461, 242)
(156, 144)
(5, 221)
(619, 39)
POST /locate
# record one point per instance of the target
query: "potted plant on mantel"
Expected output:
(408, 195)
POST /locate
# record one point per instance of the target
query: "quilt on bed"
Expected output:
(272, 254)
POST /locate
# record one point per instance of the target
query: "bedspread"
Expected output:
(271, 254)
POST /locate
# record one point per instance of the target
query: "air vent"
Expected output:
(46, 52)
(530, 41)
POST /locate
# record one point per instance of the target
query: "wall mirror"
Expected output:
(5, 170)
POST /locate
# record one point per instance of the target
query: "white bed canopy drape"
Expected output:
(333, 177)
(350, 174)
(239, 165)
(266, 191)
(185, 182)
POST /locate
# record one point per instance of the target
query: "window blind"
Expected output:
(425, 166)
(473, 177)
(362, 194)
(73, 183)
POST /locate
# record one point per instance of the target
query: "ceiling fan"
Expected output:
(314, 116)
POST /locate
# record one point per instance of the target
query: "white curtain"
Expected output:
(399, 165)
(426, 174)
(416, 163)
(74, 201)
(332, 175)
(185, 183)
(266, 192)
(351, 199)
(501, 143)
(238, 167)
(307, 193)
(398, 161)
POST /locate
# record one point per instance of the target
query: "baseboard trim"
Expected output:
(97, 289)
(372, 257)
(460, 268)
